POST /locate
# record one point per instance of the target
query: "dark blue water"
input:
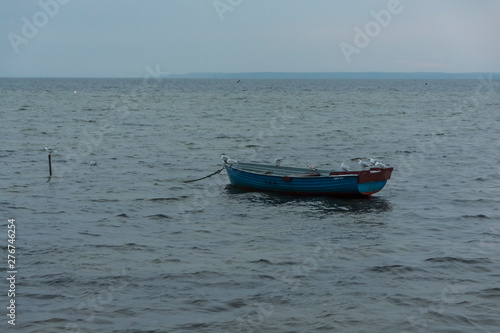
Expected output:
(123, 245)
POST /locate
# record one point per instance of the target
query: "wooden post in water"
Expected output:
(50, 150)
(50, 167)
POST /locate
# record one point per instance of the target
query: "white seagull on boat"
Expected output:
(364, 164)
(277, 161)
(374, 160)
(380, 165)
(227, 159)
(345, 167)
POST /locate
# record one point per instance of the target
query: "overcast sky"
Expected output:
(120, 38)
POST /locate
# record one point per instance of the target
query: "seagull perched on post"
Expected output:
(50, 150)
(345, 167)
(363, 164)
(277, 161)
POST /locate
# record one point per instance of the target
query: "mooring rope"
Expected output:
(210, 175)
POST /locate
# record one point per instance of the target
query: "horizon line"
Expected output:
(299, 75)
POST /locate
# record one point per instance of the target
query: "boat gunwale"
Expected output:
(269, 171)
(280, 171)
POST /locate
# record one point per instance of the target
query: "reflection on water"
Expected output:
(326, 204)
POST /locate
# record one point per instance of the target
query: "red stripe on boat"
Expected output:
(367, 176)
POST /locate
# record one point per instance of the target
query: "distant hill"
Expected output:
(332, 75)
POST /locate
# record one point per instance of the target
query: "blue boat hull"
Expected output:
(342, 184)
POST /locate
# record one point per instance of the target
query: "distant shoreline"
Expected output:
(333, 75)
(307, 75)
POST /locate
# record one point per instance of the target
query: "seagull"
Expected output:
(373, 161)
(224, 158)
(311, 167)
(345, 167)
(231, 161)
(364, 164)
(93, 163)
(277, 161)
(50, 150)
(380, 165)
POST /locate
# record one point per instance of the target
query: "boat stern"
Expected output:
(373, 180)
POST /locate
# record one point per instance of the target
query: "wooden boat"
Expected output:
(304, 181)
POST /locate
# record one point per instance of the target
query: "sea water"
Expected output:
(115, 241)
